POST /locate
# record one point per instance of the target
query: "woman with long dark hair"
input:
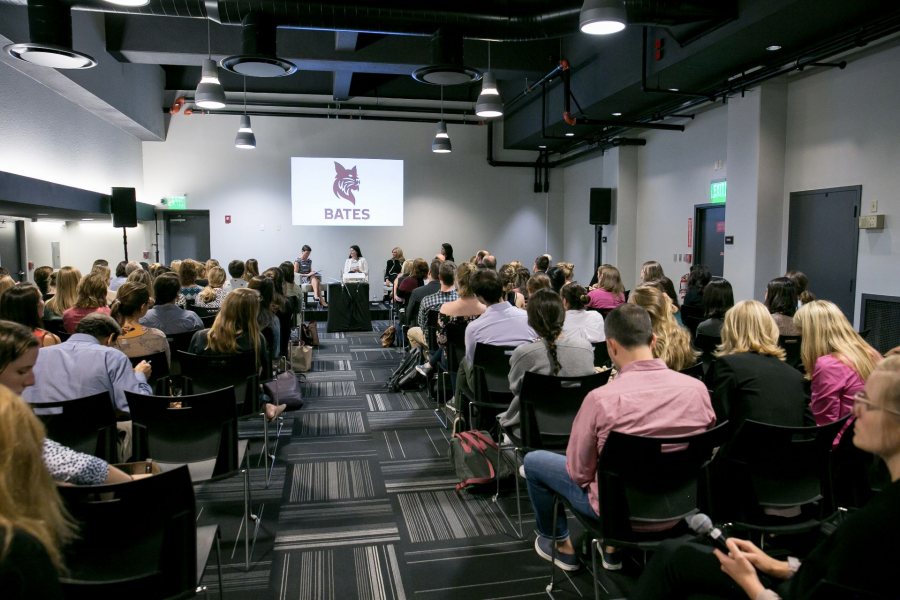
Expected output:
(355, 263)
(23, 304)
(718, 298)
(131, 304)
(781, 300)
(554, 353)
(266, 318)
(580, 322)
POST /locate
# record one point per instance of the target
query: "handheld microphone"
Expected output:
(703, 525)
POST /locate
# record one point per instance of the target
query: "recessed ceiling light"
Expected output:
(773, 48)
(673, 89)
(42, 214)
(542, 147)
(86, 219)
(617, 114)
(570, 134)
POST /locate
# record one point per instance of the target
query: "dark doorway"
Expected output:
(187, 235)
(709, 237)
(823, 237)
(12, 236)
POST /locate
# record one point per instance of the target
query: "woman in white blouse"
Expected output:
(355, 263)
(585, 323)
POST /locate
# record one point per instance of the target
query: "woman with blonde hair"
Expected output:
(66, 293)
(609, 291)
(211, 296)
(836, 358)
(91, 297)
(131, 304)
(236, 330)
(673, 342)
(142, 276)
(405, 271)
(466, 307)
(509, 280)
(750, 378)
(568, 270)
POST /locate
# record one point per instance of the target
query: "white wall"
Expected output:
(81, 243)
(579, 244)
(457, 198)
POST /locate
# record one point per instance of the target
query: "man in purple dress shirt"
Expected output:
(645, 398)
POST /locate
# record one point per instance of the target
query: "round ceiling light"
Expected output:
(446, 74)
(258, 66)
(49, 55)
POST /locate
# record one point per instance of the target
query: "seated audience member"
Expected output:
(416, 279)
(538, 281)
(393, 266)
(697, 280)
(861, 554)
(433, 302)
(102, 270)
(541, 264)
(645, 398)
(187, 276)
(42, 280)
(751, 379)
(431, 285)
(132, 266)
(586, 324)
(836, 358)
(131, 304)
(91, 297)
(554, 353)
(281, 307)
(33, 522)
(489, 262)
(462, 311)
(251, 269)
(718, 298)
(652, 274)
(6, 282)
(236, 330)
(405, 272)
(291, 290)
(609, 291)
(500, 325)
(673, 342)
(303, 268)
(266, 320)
(447, 252)
(522, 277)
(509, 280)
(18, 353)
(801, 284)
(568, 270)
(120, 277)
(236, 271)
(478, 259)
(781, 300)
(355, 263)
(165, 315)
(22, 304)
(144, 277)
(66, 293)
(557, 278)
(211, 296)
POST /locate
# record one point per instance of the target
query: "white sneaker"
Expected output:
(522, 471)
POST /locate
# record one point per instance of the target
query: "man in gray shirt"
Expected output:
(165, 315)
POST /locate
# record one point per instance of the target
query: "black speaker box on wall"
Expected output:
(123, 206)
(601, 206)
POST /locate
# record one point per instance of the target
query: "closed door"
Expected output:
(187, 235)
(710, 237)
(823, 236)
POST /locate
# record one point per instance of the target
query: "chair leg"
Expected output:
(518, 531)
(552, 583)
(219, 564)
(595, 550)
(246, 473)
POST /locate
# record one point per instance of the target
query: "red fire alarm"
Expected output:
(228, 219)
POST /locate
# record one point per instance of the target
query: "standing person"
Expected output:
(393, 266)
(131, 304)
(66, 293)
(609, 291)
(22, 304)
(645, 398)
(836, 358)
(446, 252)
(91, 292)
(303, 267)
(586, 324)
(355, 263)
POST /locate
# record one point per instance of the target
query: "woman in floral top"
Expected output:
(212, 294)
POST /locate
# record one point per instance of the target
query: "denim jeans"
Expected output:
(547, 477)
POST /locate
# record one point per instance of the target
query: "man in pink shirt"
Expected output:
(645, 398)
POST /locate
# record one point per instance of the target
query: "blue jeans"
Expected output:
(547, 477)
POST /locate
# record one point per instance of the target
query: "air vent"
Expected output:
(50, 29)
(880, 319)
(446, 66)
(257, 58)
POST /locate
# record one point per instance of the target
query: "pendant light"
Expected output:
(441, 143)
(489, 104)
(209, 94)
(245, 140)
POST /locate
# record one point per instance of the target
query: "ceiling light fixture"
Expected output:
(258, 50)
(602, 17)
(489, 104)
(129, 3)
(245, 140)
(617, 114)
(50, 31)
(441, 143)
(773, 48)
(570, 134)
(209, 94)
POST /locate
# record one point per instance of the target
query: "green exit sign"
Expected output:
(176, 202)
(717, 191)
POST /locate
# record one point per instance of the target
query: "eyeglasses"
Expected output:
(861, 399)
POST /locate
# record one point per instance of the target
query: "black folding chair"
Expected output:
(178, 342)
(137, 539)
(791, 345)
(84, 424)
(695, 371)
(547, 407)
(431, 338)
(601, 354)
(159, 364)
(490, 370)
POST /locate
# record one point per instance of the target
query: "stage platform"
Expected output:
(380, 312)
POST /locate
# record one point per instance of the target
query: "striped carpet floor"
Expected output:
(361, 502)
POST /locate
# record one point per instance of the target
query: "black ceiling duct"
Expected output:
(257, 58)
(50, 31)
(446, 66)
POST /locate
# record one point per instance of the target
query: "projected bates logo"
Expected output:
(345, 183)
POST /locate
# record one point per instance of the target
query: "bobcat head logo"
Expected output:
(345, 182)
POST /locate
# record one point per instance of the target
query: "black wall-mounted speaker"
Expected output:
(123, 206)
(601, 206)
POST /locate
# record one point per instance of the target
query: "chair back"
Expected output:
(56, 326)
(695, 371)
(136, 539)
(601, 354)
(431, 329)
(456, 344)
(548, 405)
(776, 467)
(707, 344)
(201, 433)
(692, 316)
(178, 342)
(210, 372)
(791, 345)
(650, 482)
(85, 424)
(159, 363)
(494, 361)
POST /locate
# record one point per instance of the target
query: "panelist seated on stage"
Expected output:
(356, 269)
